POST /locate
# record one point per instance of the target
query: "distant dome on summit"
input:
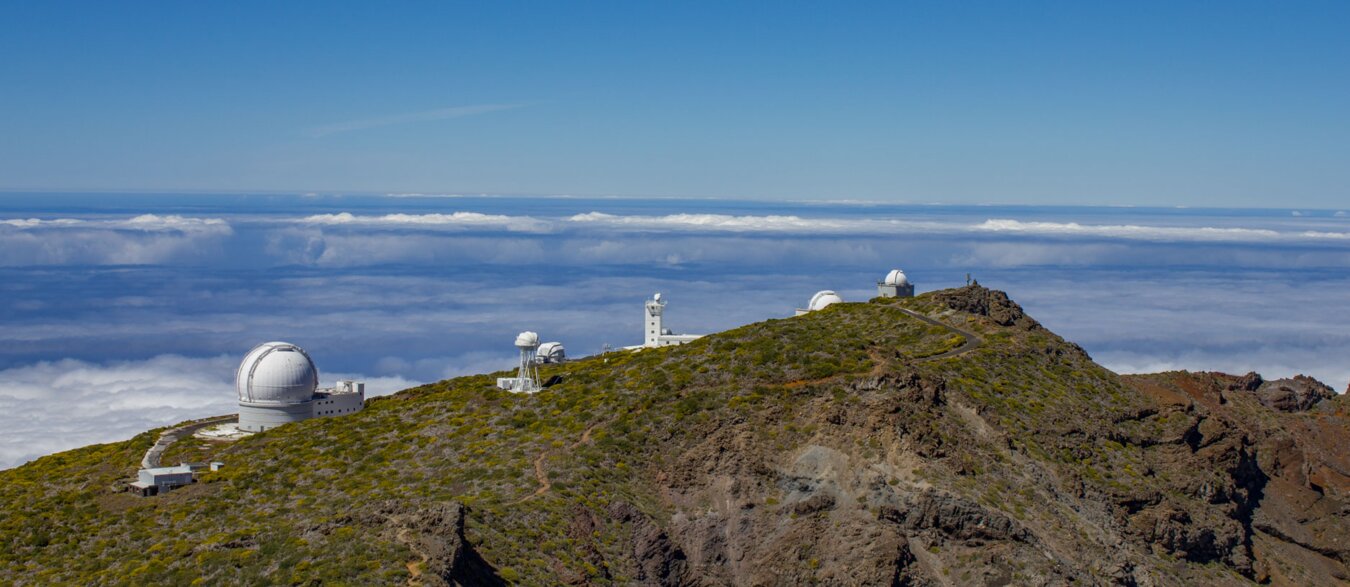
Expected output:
(896, 277)
(822, 299)
(277, 372)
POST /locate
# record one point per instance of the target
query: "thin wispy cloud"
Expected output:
(424, 116)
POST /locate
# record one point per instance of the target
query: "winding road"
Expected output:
(172, 435)
(972, 342)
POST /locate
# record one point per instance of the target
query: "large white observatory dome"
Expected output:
(822, 299)
(896, 277)
(277, 372)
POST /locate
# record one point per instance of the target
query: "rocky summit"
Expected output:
(946, 439)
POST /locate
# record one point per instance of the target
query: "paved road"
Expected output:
(170, 436)
(972, 342)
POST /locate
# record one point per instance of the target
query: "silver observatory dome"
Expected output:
(277, 372)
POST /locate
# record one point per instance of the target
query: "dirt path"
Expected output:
(541, 475)
(414, 567)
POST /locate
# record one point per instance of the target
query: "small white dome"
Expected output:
(527, 340)
(277, 372)
(822, 299)
(896, 277)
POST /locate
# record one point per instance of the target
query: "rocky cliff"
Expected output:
(947, 439)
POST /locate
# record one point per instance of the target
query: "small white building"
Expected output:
(161, 479)
(655, 334)
(278, 384)
(823, 299)
(895, 285)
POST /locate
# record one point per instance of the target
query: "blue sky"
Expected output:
(1199, 104)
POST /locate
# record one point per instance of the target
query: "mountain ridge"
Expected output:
(939, 440)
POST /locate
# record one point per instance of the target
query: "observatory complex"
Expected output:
(278, 383)
(532, 353)
(655, 334)
(894, 285)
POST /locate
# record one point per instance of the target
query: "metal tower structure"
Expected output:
(527, 377)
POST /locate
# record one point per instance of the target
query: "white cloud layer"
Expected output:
(1126, 231)
(729, 223)
(139, 240)
(454, 219)
(901, 227)
(144, 222)
(58, 405)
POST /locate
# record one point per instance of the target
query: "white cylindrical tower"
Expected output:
(652, 328)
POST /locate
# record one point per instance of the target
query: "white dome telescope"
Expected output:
(527, 340)
(896, 277)
(822, 299)
(277, 372)
(552, 352)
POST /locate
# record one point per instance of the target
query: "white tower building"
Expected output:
(278, 383)
(654, 332)
(895, 285)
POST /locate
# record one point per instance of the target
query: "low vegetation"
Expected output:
(1023, 430)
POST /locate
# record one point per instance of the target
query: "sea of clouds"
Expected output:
(119, 313)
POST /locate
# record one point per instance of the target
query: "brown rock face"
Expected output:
(435, 533)
(1293, 395)
(1249, 382)
(657, 560)
(986, 469)
(991, 303)
(1285, 487)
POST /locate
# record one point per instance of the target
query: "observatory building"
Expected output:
(278, 383)
(551, 352)
(895, 285)
(655, 334)
(820, 301)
